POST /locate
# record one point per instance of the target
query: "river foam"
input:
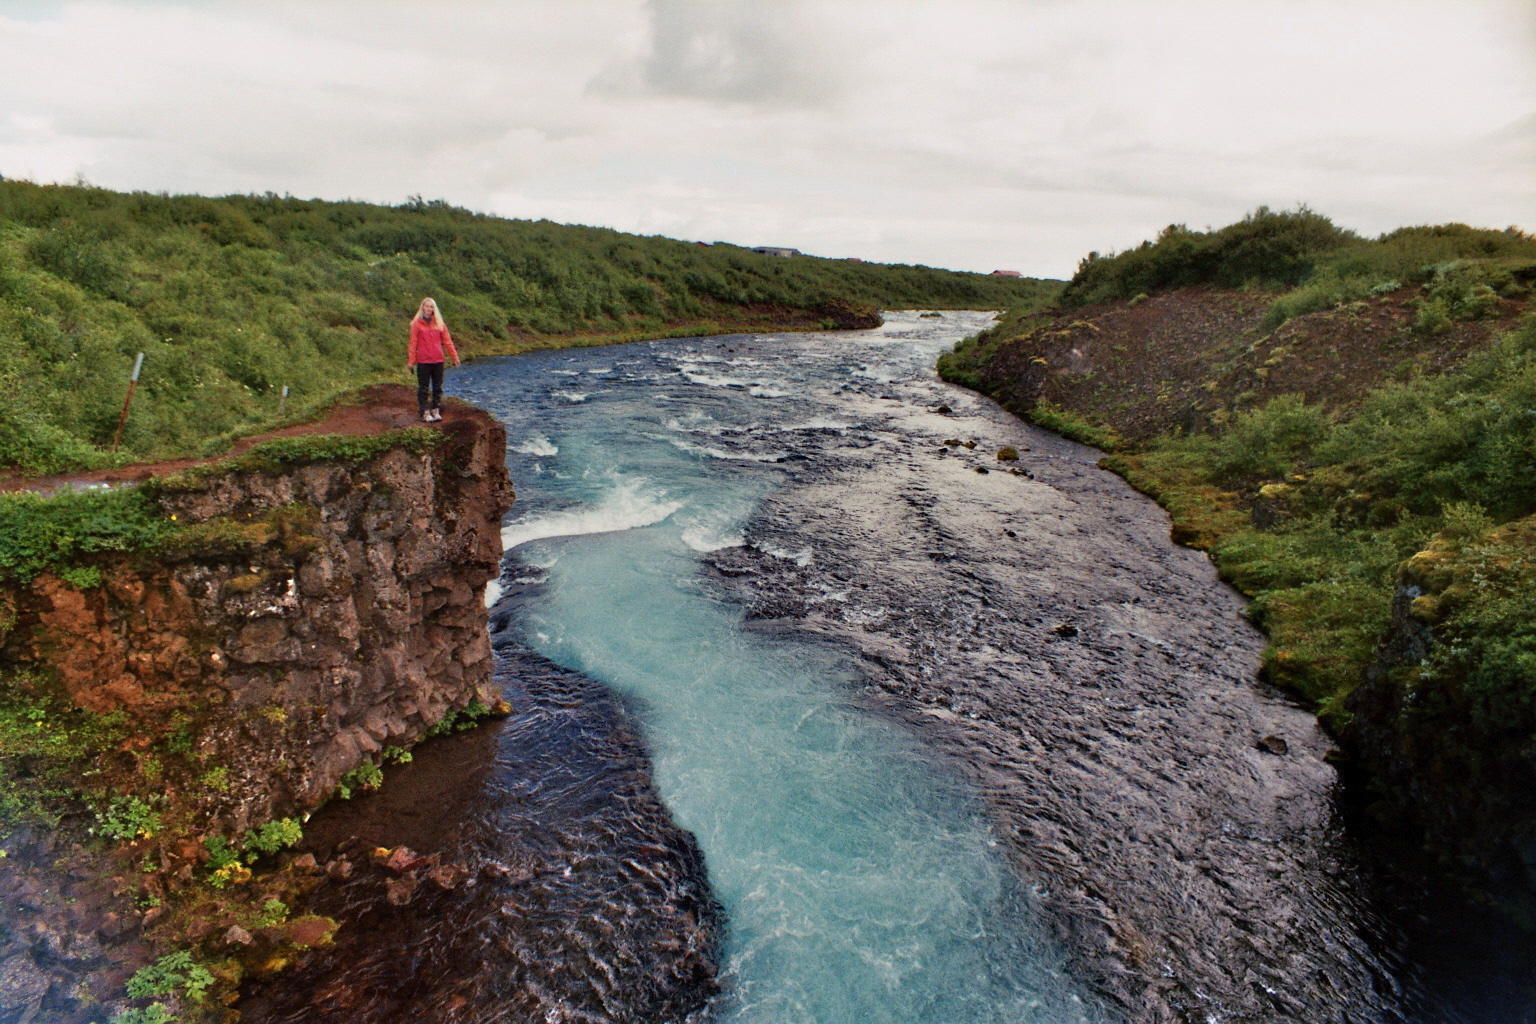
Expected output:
(629, 504)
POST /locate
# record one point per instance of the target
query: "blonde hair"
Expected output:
(437, 313)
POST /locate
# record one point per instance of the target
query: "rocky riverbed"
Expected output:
(1033, 618)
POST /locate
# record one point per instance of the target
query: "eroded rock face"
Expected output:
(323, 613)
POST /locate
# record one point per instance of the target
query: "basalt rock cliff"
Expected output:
(316, 614)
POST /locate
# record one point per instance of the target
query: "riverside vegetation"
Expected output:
(1348, 426)
(232, 299)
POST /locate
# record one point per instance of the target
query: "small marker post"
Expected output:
(133, 382)
(283, 400)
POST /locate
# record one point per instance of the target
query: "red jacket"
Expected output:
(428, 343)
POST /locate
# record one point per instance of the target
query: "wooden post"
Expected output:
(132, 383)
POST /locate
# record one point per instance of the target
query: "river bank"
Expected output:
(212, 655)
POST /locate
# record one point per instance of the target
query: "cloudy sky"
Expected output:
(972, 134)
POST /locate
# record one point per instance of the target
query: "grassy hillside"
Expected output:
(231, 299)
(1310, 443)
(1348, 426)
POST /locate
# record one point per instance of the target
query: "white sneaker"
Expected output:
(426, 417)
(437, 414)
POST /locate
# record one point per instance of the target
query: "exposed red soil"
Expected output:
(374, 410)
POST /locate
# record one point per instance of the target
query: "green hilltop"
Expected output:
(233, 298)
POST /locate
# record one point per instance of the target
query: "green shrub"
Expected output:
(1466, 436)
(168, 974)
(1266, 248)
(273, 912)
(30, 441)
(271, 837)
(1270, 441)
(40, 533)
(1432, 318)
(1317, 264)
(72, 253)
(126, 818)
(221, 852)
(366, 776)
(1323, 291)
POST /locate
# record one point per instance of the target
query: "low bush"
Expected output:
(1317, 265)
(40, 533)
(1270, 441)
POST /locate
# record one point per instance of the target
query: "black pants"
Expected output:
(429, 374)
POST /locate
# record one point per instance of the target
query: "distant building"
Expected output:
(854, 259)
(1005, 273)
(773, 250)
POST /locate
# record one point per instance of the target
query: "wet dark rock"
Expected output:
(22, 987)
(448, 876)
(115, 926)
(400, 891)
(1066, 629)
(403, 859)
(1274, 745)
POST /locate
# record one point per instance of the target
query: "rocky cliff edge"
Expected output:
(311, 614)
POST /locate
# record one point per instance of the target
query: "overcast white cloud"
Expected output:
(973, 134)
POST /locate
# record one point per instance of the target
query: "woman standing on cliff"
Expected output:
(430, 344)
